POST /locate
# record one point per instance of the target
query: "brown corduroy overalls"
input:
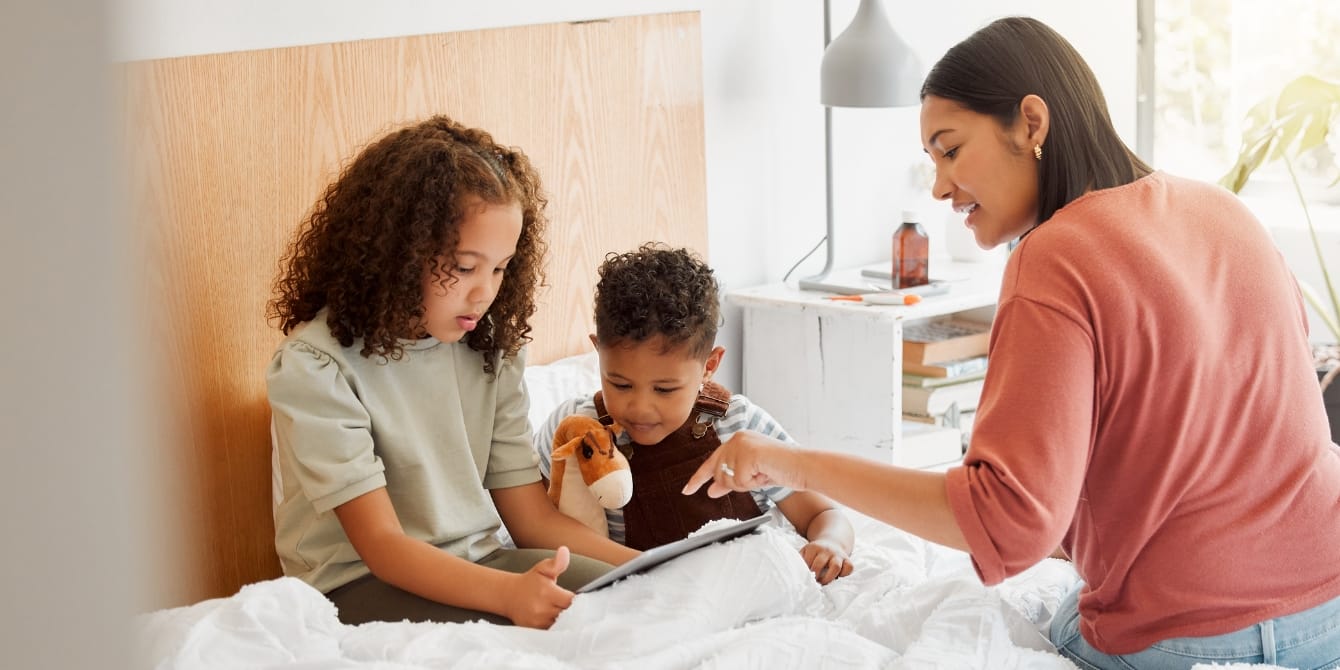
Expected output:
(659, 513)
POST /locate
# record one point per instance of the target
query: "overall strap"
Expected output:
(713, 401)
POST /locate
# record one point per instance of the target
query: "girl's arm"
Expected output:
(830, 534)
(534, 522)
(532, 598)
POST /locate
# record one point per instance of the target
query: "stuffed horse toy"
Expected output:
(589, 474)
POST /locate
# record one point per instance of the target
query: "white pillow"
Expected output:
(550, 385)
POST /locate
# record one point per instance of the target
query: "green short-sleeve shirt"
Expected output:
(432, 428)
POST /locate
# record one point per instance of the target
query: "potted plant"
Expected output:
(1283, 127)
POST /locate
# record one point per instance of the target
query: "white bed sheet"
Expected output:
(748, 603)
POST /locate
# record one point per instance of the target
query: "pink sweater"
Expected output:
(1152, 407)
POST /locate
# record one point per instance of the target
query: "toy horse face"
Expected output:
(604, 469)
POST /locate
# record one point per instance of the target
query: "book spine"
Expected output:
(963, 366)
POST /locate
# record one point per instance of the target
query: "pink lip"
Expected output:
(467, 323)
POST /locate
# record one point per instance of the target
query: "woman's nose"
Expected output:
(941, 188)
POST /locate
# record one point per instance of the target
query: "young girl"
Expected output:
(656, 314)
(399, 411)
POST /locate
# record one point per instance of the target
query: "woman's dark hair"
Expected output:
(992, 70)
(657, 291)
(393, 211)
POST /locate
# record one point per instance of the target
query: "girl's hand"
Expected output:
(534, 599)
(826, 560)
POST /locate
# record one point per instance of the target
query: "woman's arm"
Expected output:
(532, 599)
(913, 500)
(533, 521)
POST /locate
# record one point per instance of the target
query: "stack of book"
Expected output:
(944, 365)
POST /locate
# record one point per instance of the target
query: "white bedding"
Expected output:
(749, 603)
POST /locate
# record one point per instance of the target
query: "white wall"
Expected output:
(764, 125)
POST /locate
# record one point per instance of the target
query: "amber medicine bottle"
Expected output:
(911, 254)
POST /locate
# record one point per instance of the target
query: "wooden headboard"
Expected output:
(228, 153)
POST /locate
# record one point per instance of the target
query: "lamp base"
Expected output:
(824, 283)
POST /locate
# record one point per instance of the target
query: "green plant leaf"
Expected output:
(1307, 105)
(1314, 300)
(1330, 315)
(1296, 120)
(1257, 137)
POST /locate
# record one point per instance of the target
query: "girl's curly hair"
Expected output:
(657, 291)
(392, 212)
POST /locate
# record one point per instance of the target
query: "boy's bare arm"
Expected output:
(830, 535)
(818, 518)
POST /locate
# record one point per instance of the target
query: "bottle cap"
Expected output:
(910, 216)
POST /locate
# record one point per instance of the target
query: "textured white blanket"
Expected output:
(749, 603)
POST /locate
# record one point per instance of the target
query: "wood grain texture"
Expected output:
(228, 152)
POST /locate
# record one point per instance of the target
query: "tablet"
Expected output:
(658, 555)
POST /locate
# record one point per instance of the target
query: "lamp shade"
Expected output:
(868, 65)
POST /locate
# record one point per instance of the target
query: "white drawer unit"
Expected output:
(831, 371)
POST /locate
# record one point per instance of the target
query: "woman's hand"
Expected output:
(748, 461)
(533, 598)
(826, 560)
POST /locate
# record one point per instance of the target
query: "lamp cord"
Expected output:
(802, 258)
(828, 169)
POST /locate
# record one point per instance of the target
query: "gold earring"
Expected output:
(1037, 151)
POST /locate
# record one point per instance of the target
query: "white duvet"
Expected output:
(748, 603)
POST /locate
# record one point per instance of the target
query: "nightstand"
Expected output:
(830, 371)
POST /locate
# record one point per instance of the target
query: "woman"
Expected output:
(1150, 404)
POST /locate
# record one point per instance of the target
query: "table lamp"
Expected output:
(868, 65)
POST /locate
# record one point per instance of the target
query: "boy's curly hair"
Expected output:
(363, 249)
(657, 291)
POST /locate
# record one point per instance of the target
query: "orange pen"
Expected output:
(887, 298)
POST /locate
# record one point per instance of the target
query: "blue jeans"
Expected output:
(1307, 639)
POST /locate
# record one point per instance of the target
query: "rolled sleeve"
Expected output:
(1016, 493)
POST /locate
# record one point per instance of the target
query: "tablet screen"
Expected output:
(658, 555)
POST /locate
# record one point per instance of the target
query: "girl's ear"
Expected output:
(1034, 121)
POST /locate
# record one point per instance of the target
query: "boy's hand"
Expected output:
(826, 560)
(534, 599)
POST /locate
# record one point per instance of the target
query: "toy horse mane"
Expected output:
(589, 475)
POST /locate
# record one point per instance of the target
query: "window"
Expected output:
(1212, 60)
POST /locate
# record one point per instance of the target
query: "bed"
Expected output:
(227, 153)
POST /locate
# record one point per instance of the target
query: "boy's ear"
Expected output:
(713, 362)
(594, 342)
